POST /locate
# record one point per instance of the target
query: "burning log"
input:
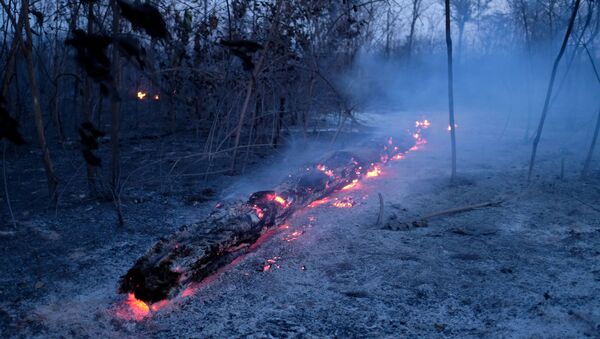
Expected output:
(199, 250)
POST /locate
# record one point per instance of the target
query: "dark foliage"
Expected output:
(144, 16)
(9, 127)
(91, 56)
(89, 136)
(243, 49)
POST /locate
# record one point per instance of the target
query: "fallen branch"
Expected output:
(422, 221)
(197, 251)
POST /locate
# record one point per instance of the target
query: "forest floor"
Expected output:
(529, 267)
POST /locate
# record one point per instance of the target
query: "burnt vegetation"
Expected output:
(112, 112)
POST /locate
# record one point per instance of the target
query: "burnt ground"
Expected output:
(529, 267)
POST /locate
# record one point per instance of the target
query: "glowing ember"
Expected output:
(350, 185)
(318, 202)
(347, 202)
(293, 236)
(270, 263)
(324, 169)
(259, 212)
(133, 309)
(375, 172)
(141, 95)
(157, 306)
(188, 292)
(398, 157)
(424, 124)
(156, 97)
(280, 200)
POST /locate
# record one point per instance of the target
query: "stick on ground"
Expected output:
(422, 221)
(380, 216)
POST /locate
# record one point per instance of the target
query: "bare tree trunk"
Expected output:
(240, 125)
(251, 85)
(279, 123)
(451, 89)
(413, 23)
(88, 102)
(56, 116)
(588, 159)
(9, 71)
(551, 87)
(35, 96)
(115, 108)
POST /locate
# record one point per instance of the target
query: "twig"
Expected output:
(422, 221)
(380, 216)
(461, 209)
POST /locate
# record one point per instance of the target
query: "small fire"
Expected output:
(141, 95)
(347, 202)
(318, 202)
(450, 127)
(350, 185)
(270, 263)
(259, 212)
(375, 172)
(280, 200)
(324, 169)
(424, 124)
(134, 309)
(293, 236)
(156, 97)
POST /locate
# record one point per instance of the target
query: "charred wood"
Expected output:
(198, 250)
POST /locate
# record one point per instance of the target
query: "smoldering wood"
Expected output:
(198, 250)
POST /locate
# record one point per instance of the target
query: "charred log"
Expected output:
(198, 250)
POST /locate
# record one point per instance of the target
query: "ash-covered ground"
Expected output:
(529, 267)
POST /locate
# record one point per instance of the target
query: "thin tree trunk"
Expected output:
(451, 89)
(551, 87)
(88, 102)
(240, 125)
(251, 85)
(115, 108)
(37, 109)
(588, 159)
(14, 48)
(279, 123)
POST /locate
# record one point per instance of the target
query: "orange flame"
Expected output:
(133, 309)
(280, 200)
(318, 202)
(344, 203)
(293, 236)
(350, 185)
(141, 95)
(375, 172)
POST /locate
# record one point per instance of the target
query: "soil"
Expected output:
(529, 267)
